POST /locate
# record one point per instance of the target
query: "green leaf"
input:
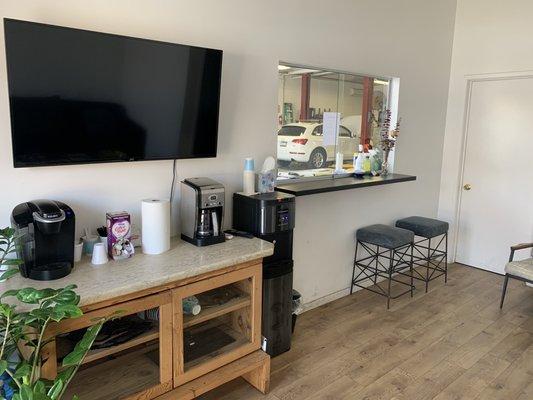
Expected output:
(28, 295)
(9, 273)
(66, 373)
(3, 366)
(39, 313)
(70, 310)
(26, 393)
(33, 296)
(66, 297)
(75, 397)
(74, 357)
(23, 370)
(6, 310)
(11, 261)
(39, 387)
(56, 388)
(7, 232)
(44, 293)
(9, 293)
(40, 396)
(77, 355)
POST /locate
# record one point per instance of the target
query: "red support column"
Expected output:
(366, 128)
(305, 95)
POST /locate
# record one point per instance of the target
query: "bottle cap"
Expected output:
(196, 309)
(249, 164)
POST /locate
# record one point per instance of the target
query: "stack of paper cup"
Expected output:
(99, 254)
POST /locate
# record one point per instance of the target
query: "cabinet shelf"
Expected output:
(236, 340)
(146, 337)
(216, 311)
(117, 378)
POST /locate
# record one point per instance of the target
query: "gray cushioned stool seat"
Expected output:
(522, 268)
(422, 226)
(385, 236)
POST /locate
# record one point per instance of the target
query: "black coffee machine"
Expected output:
(46, 230)
(202, 211)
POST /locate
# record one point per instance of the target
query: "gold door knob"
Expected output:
(467, 186)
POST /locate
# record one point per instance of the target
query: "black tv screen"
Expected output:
(78, 97)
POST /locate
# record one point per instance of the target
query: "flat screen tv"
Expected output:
(81, 97)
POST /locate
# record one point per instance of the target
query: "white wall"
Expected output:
(410, 39)
(491, 37)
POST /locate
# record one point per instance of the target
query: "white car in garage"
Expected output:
(303, 142)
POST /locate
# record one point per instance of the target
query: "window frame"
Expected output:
(393, 88)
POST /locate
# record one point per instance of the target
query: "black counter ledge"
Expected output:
(306, 188)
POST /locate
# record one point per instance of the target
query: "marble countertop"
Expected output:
(142, 271)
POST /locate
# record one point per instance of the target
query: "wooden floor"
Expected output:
(451, 343)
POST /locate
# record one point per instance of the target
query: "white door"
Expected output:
(497, 196)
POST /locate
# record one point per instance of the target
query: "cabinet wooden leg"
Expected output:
(49, 367)
(260, 377)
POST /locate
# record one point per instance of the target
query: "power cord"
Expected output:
(173, 182)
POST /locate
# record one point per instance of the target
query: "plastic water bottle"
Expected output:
(248, 178)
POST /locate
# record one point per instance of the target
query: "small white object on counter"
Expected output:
(339, 159)
(78, 251)
(155, 215)
(248, 179)
(99, 256)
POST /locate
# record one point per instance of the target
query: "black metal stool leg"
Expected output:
(427, 265)
(377, 262)
(354, 266)
(446, 258)
(504, 290)
(391, 263)
(411, 269)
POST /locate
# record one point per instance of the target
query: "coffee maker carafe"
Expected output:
(202, 211)
(46, 244)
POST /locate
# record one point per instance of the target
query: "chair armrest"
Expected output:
(520, 246)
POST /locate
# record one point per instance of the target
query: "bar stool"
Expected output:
(383, 243)
(433, 258)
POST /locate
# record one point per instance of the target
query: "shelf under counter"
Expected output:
(305, 188)
(243, 300)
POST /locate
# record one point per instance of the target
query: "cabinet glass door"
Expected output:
(125, 361)
(218, 320)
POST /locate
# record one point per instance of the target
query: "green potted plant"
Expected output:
(21, 370)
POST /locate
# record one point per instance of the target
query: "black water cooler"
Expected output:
(270, 216)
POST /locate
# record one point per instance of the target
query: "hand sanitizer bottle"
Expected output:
(358, 165)
(367, 165)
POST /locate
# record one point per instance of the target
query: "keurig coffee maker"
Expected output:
(202, 211)
(46, 230)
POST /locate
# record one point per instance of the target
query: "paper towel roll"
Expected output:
(155, 226)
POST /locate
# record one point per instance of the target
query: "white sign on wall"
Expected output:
(330, 129)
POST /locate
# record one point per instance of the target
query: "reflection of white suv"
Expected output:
(303, 142)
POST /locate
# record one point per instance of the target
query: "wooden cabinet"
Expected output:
(178, 356)
(139, 368)
(229, 326)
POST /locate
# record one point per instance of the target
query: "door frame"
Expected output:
(470, 80)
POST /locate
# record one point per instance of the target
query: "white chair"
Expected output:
(521, 270)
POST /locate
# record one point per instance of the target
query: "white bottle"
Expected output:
(358, 166)
(248, 178)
